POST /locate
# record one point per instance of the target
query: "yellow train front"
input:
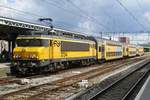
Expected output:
(36, 54)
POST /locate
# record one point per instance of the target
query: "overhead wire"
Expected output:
(131, 14)
(139, 5)
(22, 11)
(18, 12)
(141, 9)
(55, 4)
(80, 15)
(61, 22)
(15, 11)
(86, 14)
(92, 17)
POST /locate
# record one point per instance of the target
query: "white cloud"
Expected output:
(22, 5)
(87, 25)
(3, 1)
(147, 16)
(118, 19)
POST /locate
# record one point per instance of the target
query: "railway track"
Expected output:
(132, 92)
(48, 90)
(7, 80)
(13, 79)
(123, 88)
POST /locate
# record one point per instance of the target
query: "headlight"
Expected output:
(32, 56)
(17, 56)
(15, 63)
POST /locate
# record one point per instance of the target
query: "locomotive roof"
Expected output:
(59, 33)
(56, 33)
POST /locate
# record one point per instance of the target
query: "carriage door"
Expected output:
(103, 51)
(93, 50)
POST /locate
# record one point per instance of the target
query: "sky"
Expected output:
(85, 16)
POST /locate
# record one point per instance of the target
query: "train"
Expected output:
(39, 52)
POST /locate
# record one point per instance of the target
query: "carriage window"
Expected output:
(32, 42)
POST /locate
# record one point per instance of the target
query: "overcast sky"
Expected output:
(88, 16)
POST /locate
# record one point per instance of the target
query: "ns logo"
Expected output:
(56, 43)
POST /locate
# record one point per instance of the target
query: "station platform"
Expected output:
(4, 69)
(4, 65)
(144, 93)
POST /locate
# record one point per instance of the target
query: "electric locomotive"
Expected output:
(40, 52)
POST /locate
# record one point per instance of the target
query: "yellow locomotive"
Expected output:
(37, 53)
(40, 52)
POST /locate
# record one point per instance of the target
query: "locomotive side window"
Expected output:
(74, 46)
(31, 42)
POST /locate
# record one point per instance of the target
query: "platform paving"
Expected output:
(4, 69)
(4, 65)
(144, 93)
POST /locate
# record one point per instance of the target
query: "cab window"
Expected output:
(32, 42)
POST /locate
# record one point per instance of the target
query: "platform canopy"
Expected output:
(10, 28)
